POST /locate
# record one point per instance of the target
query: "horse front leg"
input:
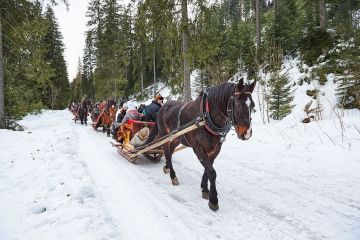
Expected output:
(108, 130)
(204, 186)
(213, 200)
(209, 174)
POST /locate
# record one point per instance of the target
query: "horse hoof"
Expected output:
(213, 207)
(166, 170)
(175, 181)
(205, 195)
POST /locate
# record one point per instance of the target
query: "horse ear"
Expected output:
(252, 86)
(240, 84)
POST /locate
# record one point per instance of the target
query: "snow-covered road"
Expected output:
(61, 180)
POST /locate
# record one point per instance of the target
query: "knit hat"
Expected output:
(131, 106)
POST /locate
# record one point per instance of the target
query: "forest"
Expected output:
(131, 46)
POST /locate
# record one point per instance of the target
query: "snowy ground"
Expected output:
(61, 180)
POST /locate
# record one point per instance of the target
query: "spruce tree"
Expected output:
(280, 96)
(2, 103)
(76, 93)
(87, 80)
(348, 89)
(26, 72)
(57, 91)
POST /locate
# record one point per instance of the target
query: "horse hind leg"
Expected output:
(168, 151)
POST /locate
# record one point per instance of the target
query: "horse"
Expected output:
(83, 109)
(221, 106)
(107, 115)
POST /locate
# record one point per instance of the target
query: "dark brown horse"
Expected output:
(222, 106)
(83, 110)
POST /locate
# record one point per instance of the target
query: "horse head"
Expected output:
(242, 106)
(111, 105)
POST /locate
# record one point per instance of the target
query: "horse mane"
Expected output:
(220, 94)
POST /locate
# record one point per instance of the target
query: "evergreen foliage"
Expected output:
(280, 96)
(349, 81)
(129, 47)
(35, 75)
(56, 93)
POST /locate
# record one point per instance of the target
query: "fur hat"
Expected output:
(158, 97)
(144, 133)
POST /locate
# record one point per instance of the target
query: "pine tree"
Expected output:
(280, 96)
(26, 72)
(57, 91)
(348, 90)
(2, 103)
(76, 93)
(87, 83)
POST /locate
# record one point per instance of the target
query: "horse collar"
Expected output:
(209, 123)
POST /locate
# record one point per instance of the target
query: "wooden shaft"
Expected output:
(180, 148)
(168, 139)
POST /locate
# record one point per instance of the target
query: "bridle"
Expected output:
(229, 119)
(230, 107)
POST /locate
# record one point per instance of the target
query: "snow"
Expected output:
(61, 180)
(291, 181)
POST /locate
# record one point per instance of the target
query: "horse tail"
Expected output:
(153, 134)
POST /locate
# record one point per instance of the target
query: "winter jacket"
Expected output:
(131, 115)
(151, 111)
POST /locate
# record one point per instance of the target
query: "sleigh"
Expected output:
(76, 117)
(103, 117)
(152, 150)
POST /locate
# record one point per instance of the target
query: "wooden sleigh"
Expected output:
(76, 115)
(104, 119)
(153, 150)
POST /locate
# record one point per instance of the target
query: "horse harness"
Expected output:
(178, 121)
(229, 119)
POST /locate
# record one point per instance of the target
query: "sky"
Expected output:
(72, 24)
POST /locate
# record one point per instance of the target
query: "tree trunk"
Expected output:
(154, 65)
(276, 13)
(2, 103)
(322, 15)
(185, 49)
(258, 27)
(141, 73)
